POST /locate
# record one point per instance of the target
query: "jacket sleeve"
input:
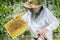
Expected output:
(52, 21)
(25, 17)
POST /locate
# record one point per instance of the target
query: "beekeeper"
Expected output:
(40, 19)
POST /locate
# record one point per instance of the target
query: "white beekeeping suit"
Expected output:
(45, 20)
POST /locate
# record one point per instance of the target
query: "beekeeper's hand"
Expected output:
(43, 32)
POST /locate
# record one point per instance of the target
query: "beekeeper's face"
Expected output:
(33, 10)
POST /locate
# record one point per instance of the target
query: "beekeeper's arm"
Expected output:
(52, 21)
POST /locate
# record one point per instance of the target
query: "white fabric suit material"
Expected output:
(45, 20)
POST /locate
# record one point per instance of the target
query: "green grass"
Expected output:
(56, 39)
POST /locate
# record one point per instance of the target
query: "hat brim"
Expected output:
(27, 5)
